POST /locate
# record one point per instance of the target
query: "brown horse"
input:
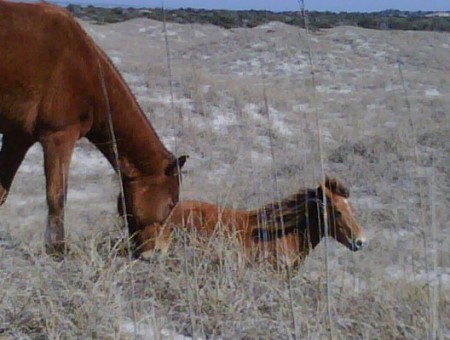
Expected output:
(285, 231)
(56, 86)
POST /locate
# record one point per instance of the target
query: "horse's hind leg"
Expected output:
(58, 149)
(12, 154)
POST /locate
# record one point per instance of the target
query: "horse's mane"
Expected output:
(277, 219)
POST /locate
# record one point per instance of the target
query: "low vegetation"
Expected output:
(385, 20)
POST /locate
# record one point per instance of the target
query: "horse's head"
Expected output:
(149, 200)
(342, 224)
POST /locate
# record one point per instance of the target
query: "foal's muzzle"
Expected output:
(357, 243)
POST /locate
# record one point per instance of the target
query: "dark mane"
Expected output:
(279, 219)
(276, 220)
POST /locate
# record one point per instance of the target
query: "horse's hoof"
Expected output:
(56, 250)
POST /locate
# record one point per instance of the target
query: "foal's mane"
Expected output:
(277, 219)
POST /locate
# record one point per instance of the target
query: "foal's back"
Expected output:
(206, 217)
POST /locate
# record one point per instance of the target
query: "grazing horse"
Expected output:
(57, 86)
(284, 232)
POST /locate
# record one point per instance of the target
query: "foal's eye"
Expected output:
(337, 213)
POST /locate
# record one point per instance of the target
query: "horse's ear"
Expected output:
(181, 160)
(172, 168)
(336, 186)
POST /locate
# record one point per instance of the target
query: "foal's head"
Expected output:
(342, 224)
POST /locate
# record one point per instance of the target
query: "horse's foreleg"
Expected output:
(11, 156)
(58, 149)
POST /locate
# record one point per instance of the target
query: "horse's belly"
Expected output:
(17, 117)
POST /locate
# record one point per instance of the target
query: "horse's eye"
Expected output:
(337, 213)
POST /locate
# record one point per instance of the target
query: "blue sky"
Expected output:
(282, 5)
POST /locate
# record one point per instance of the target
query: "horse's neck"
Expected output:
(298, 222)
(292, 235)
(276, 219)
(307, 222)
(311, 233)
(138, 146)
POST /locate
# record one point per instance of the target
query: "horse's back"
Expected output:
(205, 217)
(194, 215)
(44, 62)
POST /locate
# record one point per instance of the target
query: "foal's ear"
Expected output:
(172, 168)
(336, 186)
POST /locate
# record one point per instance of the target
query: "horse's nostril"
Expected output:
(359, 243)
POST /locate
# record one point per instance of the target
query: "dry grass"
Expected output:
(396, 159)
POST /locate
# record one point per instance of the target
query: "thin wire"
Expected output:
(122, 192)
(420, 186)
(434, 293)
(319, 137)
(169, 68)
(277, 192)
(174, 121)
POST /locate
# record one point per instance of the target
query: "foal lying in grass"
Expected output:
(283, 232)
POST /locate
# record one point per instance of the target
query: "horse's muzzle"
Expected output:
(357, 243)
